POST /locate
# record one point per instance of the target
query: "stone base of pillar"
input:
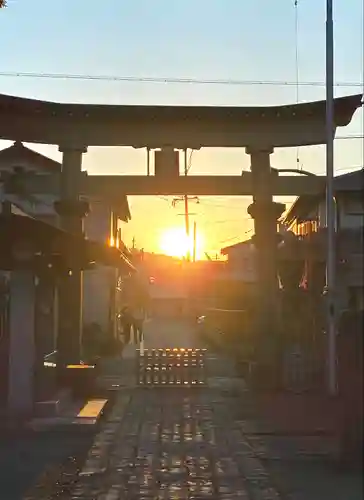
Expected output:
(21, 345)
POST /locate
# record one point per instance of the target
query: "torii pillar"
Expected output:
(72, 211)
(265, 213)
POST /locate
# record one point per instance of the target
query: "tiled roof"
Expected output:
(18, 151)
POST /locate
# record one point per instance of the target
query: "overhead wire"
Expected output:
(178, 80)
(182, 80)
(236, 237)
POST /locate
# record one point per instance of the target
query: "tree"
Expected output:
(2, 4)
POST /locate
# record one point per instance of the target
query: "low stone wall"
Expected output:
(350, 381)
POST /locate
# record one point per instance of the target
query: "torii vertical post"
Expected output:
(265, 213)
(70, 285)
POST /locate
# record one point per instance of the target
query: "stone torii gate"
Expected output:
(74, 127)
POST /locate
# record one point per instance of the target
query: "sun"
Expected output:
(176, 243)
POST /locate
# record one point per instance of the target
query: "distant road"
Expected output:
(164, 334)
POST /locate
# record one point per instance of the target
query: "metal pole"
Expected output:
(330, 202)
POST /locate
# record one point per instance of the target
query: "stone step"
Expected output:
(77, 414)
(55, 406)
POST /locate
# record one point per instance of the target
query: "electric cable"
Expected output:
(179, 80)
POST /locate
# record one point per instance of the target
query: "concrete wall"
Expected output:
(100, 283)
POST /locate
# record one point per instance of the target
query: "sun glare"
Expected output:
(174, 242)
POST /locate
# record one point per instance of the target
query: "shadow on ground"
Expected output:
(24, 457)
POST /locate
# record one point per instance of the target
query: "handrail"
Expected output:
(48, 363)
(47, 360)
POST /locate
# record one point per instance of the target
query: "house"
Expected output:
(308, 213)
(306, 218)
(240, 262)
(103, 224)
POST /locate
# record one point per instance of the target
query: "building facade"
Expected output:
(240, 263)
(103, 224)
(307, 219)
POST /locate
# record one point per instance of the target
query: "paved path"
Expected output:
(174, 444)
(177, 442)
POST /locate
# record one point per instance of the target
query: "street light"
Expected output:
(330, 202)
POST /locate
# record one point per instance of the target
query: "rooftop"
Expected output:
(18, 152)
(349, 182)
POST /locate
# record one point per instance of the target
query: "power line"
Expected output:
(235, 237)
(164, 198)
(179, 80)
(229, 239)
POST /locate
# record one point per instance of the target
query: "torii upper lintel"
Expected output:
(36, 121)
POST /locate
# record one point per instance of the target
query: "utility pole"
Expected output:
(185, 198)
(187, 216)
(194, 241)
(330, 203)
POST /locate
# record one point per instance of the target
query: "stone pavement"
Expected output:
(172, 443)
(182, 428)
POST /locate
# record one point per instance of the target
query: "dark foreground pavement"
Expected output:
(183, 427)
(24, 456)
(173, 444)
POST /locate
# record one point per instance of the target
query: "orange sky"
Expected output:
(221, 221)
